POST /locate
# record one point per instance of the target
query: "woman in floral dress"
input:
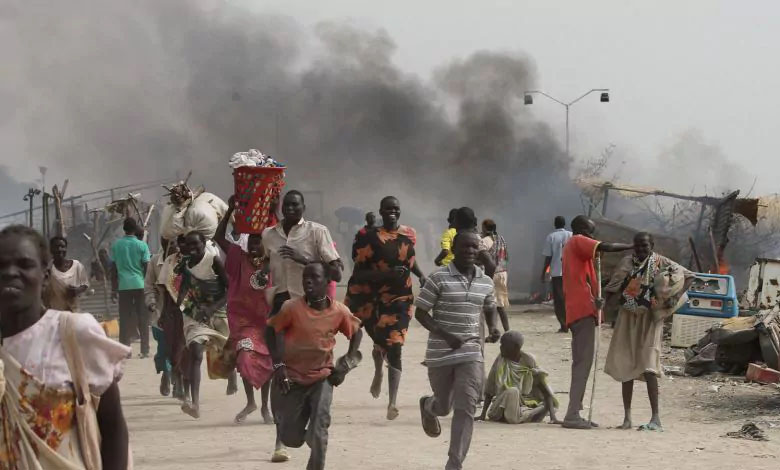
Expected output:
(38, 429)
(380, 292)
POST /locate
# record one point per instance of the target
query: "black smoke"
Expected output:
(133, 91)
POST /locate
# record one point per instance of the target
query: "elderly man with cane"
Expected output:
(582, 288)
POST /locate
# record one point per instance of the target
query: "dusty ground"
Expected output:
(695, 416)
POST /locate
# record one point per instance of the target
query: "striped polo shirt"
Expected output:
(456, 305)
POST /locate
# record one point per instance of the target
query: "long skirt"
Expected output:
(247, 337)
(635, 348)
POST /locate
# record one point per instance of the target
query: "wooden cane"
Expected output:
(596, 340)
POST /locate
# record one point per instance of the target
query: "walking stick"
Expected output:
(597, 340)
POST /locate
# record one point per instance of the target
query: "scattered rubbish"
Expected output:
(738, 342)
(749, 431)
(762, 374)
(714, 388)
(674, 370)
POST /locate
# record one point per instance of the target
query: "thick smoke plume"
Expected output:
(114, 92)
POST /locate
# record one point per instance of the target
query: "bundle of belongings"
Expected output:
(190, 211)
(735, 343)
(253, 157)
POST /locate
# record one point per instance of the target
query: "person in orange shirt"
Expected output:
(582, 307)
(304, 335)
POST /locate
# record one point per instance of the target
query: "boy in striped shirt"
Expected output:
(449, 307)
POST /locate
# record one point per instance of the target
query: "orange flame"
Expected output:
(723, 266)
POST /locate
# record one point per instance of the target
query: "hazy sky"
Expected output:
(694, 83)
(673, 66)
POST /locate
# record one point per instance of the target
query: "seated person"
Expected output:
(516, 390)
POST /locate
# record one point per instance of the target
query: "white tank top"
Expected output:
(204, 269)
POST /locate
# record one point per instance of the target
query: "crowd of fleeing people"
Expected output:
(262, 306)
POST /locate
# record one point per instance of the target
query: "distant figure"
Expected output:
(153, 293)
(445, 256)
(496, 246)
(650, 287)
(131, 257)
(171, 318)
(95, 271)
(466, 221)
(67, 278)
(582, 307)
(553, 261)
(516, 391)
(370, 220)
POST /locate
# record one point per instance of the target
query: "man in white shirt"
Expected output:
(291, 245)
(553, 260)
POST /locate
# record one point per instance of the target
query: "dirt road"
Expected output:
(695, 417)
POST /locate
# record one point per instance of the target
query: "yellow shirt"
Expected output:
(446, 244)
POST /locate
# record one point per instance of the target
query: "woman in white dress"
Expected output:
(45, 371)
(68, 278)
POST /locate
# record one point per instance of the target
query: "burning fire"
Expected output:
(723, 266)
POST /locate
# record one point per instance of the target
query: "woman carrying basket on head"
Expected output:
(43, 426)
(247, 312)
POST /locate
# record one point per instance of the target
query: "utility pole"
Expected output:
(30, 196)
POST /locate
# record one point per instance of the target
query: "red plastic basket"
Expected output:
(255, 189)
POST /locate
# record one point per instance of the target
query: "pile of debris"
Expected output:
(741, 346)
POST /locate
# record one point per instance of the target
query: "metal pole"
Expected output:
(568, 155)
(31, 209)
(694, 255)
(596, 340)
(30, 196)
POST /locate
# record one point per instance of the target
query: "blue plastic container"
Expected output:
(711, 295)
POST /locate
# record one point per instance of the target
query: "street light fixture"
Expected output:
(529, 99)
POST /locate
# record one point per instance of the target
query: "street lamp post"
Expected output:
(529, 99)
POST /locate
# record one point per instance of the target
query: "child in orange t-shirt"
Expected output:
(582, 305)
(302, 350)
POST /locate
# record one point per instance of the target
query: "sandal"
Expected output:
(430, 423)
(650, 427)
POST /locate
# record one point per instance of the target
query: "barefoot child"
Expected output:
(304, 334)
(516, 391)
